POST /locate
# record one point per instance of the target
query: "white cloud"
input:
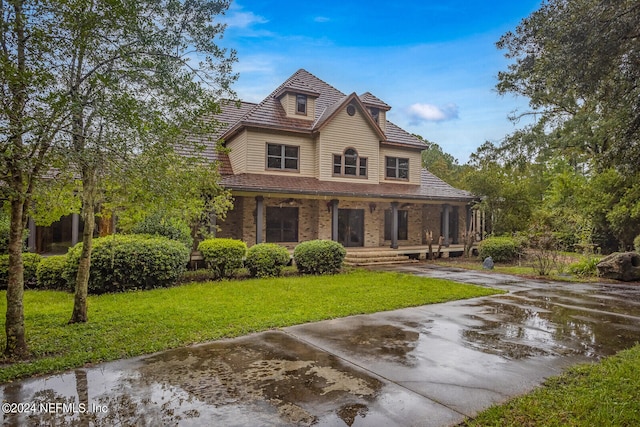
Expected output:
(431, 113)
(236, 17)
(243, 19)
(321, 19)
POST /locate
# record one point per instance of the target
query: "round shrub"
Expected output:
(500, 249)
(126, 262)
(30, 262)
(223, 256)
(50, 273)
(319, 257)
(266, 260)
(171, 228)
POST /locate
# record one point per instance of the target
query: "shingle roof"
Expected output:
(230, 113)
(369, 99)
(431, 187)
(270, 114)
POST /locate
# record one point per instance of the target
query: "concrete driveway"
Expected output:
(433, 365)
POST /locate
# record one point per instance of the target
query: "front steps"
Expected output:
(359, 258)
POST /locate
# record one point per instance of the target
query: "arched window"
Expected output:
(349, 164)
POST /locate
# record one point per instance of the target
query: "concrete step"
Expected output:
(378, 259)
(371, 254)
(364, 263)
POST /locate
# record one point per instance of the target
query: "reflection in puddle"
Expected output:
(384, 342)
(539, 323)
(274, 380)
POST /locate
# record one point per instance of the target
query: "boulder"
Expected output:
(487, 264)
(623, 266)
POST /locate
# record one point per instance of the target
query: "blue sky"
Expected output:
(434, 63)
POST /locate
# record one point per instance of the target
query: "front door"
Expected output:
(351, 227)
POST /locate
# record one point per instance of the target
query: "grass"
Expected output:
(603, 394)
(135, 323)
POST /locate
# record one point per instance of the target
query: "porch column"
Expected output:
(334, 220)
(394, 225)
(259, 216)
(446, 209)
(31, 240)
(75, 228)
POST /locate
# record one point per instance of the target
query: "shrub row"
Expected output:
(319, 257)
(126, 262)
(224, 256)
(500, 249)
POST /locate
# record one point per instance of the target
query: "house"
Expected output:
(310, 162)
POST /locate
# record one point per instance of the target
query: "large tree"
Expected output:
(32, 110)
(93, 83)
(140, 74)
(578, 61)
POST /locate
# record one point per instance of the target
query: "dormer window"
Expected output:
(301, 104)
(349, 164)
(375, 113)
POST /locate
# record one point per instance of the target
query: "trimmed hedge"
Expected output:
(50, 274)
(126, 262)
(171, 228)
(266, 260)
(30, 262)
(223, 256)
(319, 257)
(500, 249)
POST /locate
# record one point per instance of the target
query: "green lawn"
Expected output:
(603, 394)
(134, 323)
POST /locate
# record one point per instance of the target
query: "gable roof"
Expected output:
(353, 99)
(269, 113)
(369, 99)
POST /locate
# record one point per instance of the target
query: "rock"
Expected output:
(623, 266)
(487, 264)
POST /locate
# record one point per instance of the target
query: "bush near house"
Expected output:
(30, 261)
(319, 257)
(223, 256)
(266, 260)
(50, 274)
(172, 228)
(126, 262)
(500, 249)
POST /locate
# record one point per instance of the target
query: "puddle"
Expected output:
(271, 380)
(554, 323)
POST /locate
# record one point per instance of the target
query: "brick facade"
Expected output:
(315, 220)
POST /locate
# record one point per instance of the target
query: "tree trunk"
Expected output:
(88, 216)
(14, 326)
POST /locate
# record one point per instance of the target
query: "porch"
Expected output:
(362, 256)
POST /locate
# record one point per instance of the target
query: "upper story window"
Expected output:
(375, 113)
(397, 168)
(283, 157)
(349, 164)
(301, 104)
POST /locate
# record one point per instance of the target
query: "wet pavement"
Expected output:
(432, 365)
